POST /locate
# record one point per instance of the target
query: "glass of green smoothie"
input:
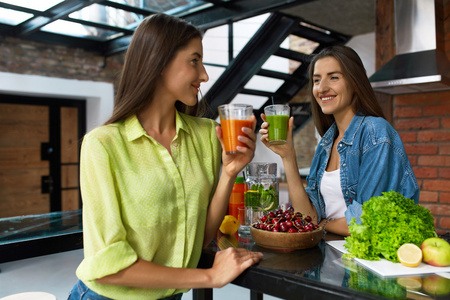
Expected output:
(277, 115)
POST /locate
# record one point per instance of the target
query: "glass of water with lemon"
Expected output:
(262, 183)
(261, 195)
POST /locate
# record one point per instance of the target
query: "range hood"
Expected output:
(417, 66)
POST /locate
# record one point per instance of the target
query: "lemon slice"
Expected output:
(409, 255)
(267, 201)
(229, 225)
(410, 283)
(269, 207)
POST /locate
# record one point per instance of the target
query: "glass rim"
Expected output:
(276, 105)
(259, 169)
(241, 105)
(277, 109)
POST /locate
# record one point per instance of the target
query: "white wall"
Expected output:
(99, 96)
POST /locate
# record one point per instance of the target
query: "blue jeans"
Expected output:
(81, 292)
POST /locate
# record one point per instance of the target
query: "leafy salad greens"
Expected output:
(387, 222)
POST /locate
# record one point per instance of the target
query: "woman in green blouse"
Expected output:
(150, 184)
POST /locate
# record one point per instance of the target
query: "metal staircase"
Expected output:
(262, 45)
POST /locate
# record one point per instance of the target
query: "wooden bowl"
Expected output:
(286, 241)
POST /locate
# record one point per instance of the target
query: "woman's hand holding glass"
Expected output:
(234, 163)
(282, 150)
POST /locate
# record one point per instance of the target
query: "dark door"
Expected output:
(39, 154)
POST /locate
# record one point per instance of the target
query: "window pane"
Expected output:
(168, 6)
(262, 83)
(13, 17)
(277, 63)
(78, 30)
(215, 45)
(300, 44)
(108, 15)
(256, 101)
(214, 73)
(244, 30)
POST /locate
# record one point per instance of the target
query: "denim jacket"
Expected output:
(372, 160)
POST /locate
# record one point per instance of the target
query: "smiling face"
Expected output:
(181, 78)
(331, 89)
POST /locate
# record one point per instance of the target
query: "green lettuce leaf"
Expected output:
(387, 222)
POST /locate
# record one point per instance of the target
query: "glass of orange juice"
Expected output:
(232, 118)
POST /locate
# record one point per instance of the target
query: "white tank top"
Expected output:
(330, 188)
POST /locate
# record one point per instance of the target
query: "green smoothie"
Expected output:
(278, 128)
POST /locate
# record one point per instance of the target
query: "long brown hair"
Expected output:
(364, 100)
(154, 44)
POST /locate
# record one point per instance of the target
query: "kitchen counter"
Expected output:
(319, 273)
(316, 273)
(45, 233)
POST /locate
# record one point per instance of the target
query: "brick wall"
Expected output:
(34, 58)
(423, 122)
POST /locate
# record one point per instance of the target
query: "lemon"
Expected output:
(409, 255)
(411, 282)
(229, 225)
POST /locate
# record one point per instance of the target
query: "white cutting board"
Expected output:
(387, 268)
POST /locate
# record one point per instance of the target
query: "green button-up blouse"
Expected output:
(139, 201)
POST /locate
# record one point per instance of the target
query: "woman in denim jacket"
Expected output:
(360, 154)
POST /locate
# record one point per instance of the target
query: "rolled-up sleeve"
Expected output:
(106, 249)
(353, 211)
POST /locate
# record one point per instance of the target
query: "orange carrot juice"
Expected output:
(237, 197)
(230, 130)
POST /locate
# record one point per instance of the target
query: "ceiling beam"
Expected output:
(99, 25)
(238, 10)
(69, 41)
(322, 36)
(19, 8)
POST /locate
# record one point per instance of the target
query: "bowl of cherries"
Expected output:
(286, 230)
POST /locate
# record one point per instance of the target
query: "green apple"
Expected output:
(436, 252)
(436, 285)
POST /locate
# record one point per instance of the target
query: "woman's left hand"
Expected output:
(234, 163)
